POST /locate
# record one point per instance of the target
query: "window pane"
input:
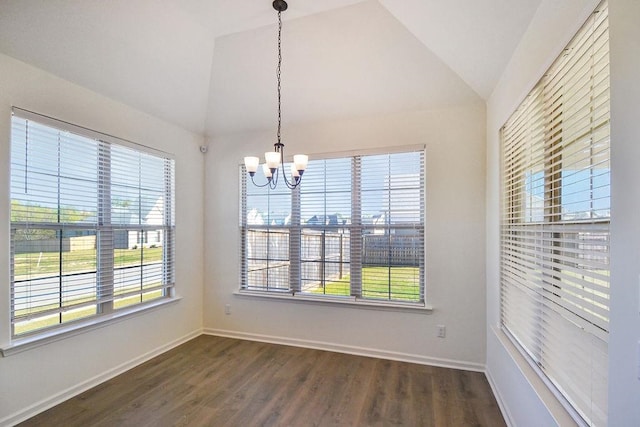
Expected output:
(391, 263)
(325, 194)
(268, 259)
(325, 261)
(325, 205)
(266, 205)
(53, 175)
(54, 270)
(137, 266)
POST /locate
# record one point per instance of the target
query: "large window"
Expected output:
(92, 226)
(555, 223)
(353, 230)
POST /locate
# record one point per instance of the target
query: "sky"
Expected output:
(52, 168)
(326, 189)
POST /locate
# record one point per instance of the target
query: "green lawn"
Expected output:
(79, 313)
(33, 265)
(405, 284)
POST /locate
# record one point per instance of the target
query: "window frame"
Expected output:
(554, 240)
(105, 287)
(293, 292)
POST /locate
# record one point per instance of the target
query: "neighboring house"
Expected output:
(256, 217)
(148, 215)
(334, 219)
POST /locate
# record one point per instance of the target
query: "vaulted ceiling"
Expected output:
(209, 65)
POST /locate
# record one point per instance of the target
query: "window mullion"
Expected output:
(59, 233)
(356, 229)
(295, 258)
(168, 249)
(422, 266)
(13, 277)
(244, 235)
(105, 241)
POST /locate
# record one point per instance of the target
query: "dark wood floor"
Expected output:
(213, 381)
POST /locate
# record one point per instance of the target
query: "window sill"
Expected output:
(331, 300)
(19, 345)
(557, 405)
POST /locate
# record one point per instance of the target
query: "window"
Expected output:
(555, 223)
(92, 227)
(354, 229)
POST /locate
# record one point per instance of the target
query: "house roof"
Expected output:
(209, 65)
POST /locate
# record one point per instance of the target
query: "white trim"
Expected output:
(348, 349)
(86, 132)
(70, 392)
(561, 399)
(330, 299)
(80, 327)
(554, 402)
(504, 409)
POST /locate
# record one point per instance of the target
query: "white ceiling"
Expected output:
(209, 65)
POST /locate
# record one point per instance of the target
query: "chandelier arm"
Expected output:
(273, 182)
(290, 184)
(260, 185)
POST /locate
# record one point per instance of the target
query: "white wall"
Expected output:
(522, 396)
(624, 341)
(455, 171)
(35, 379)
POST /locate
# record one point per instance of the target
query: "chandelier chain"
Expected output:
(279, 71)
(275, 160)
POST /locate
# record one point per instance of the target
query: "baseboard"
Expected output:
(70, 392)
(506, 414)
(358, 351)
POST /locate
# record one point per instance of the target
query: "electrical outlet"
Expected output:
(227, 309)
(442, 331)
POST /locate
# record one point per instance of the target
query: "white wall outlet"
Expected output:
(442, 331)
(227, 309)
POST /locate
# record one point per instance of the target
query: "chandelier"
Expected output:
(275, 159)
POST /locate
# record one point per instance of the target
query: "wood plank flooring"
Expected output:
(214, 381)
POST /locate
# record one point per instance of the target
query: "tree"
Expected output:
(34, 214)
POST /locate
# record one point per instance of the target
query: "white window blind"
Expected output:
(555, 222)
(353, 229)
(92, 228)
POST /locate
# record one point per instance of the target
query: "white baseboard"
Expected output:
(70, 392)
(358, 351)
(506, 414)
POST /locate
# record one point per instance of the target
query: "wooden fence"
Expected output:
(268, 254)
